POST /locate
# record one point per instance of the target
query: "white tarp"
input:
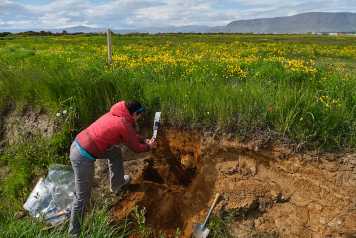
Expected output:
(52, 197)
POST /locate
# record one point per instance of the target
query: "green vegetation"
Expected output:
(300, 86)
(97, 225)
(218, 228)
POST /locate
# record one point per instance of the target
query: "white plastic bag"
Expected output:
(52, 197)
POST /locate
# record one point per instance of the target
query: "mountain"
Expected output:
(75, 29)
(83, 29)
(168, 29)
(301, 23)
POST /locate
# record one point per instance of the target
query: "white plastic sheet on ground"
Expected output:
(52, 197)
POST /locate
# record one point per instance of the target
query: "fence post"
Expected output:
(109, 42)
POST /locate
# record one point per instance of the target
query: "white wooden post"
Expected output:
(109, 41)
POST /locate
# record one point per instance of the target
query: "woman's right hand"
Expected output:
(152, 143)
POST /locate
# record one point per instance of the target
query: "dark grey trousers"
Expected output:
(84, 174)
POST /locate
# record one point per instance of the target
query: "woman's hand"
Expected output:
(152, 143)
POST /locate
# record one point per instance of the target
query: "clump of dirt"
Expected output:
(271, 191)
(24, 124)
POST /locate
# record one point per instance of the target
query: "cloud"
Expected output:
(64, 13)
(185, 12)
(11, 9)
(147, 13)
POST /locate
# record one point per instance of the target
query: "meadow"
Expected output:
(301, 87)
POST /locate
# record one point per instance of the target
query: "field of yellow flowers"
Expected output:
(300, 86)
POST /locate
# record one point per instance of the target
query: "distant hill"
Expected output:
(318, 22)
(71, 30)
(301, 23)
(170, 29)
(83, 29)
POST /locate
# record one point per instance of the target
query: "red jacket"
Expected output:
(114, 127)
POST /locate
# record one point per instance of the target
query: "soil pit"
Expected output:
(264, 193)
(173, 186)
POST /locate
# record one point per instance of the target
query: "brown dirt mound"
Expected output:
(24, 124)
(272, 192)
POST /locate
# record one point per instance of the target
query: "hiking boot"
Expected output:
(127, 180)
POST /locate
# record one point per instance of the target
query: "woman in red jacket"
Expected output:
(99, 141)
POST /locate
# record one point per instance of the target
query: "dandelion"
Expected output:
(235, 70)
(329, 102)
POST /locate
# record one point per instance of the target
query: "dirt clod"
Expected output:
(25, 124)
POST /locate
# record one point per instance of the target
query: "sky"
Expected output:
(128, 14)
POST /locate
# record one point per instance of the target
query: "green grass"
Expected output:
(97, 225)
(58, 73)
(218, 228)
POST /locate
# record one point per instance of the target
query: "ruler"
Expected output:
(156, 123)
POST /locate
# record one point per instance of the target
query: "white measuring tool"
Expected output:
(156, 124)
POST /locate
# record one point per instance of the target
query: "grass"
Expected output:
(218, 228)
(97, 225)
(236, 83)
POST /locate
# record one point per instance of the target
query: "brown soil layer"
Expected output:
(25, 124)
(270, 191)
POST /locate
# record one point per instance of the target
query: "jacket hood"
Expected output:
(120, 110)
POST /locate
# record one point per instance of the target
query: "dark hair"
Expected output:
(134, 106)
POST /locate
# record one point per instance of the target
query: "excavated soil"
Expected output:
(265, 193)
(17, 126)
